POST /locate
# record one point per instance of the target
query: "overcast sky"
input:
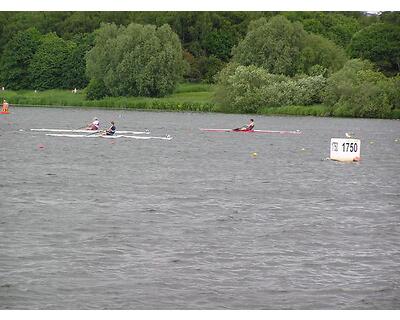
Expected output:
(209, 5)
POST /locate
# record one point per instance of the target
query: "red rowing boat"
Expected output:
(253, 131)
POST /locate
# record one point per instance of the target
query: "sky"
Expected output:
(201, 5)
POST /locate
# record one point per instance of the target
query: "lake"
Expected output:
(198, 222)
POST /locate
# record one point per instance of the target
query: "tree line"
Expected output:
(255, 58)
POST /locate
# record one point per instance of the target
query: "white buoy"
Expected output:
(345, 149)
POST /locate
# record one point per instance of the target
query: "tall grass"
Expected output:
(317, 110)
(187, 97)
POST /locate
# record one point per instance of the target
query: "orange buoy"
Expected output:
(4, 110)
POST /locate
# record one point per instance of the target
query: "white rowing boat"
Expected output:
(115, 136)
(89, 131)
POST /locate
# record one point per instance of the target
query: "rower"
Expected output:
(248, 127)
(95, 125)
(111, 130)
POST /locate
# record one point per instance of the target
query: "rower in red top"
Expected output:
(248, 127)
(95, 125)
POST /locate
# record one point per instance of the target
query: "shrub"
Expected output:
(359, 91)
(248, 89)
(96, 90)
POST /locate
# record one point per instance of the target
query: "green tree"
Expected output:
(76, 76)
(209, 67)
(282, 47)
(52, 63)
(380, 43)
(79, 23)
(358, 90)
(44, 22)
(392, 17)
(340, 83)
(17, 58)
(192, 73)
(96, 90)
(136, 60)
(323, 52)
(337, 27)
(192, 28)
(219, 44)
(274, 45)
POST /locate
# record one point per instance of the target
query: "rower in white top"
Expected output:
(95, 125)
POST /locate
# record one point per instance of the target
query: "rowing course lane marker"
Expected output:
(346, 150)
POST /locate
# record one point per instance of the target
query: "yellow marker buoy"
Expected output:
(254, 154)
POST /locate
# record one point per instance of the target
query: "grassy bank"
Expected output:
(187, 97)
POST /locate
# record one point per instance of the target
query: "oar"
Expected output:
(99, 132)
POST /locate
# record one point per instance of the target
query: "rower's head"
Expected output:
(95, 119)
(252, 120)
(112, 122)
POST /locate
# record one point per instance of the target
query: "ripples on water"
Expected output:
(196, 222)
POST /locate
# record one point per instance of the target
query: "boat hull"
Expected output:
(89, 131)
(115, 136)
(254, 131)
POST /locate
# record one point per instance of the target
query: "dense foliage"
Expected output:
(137, 60)
(96, 90)
(282, 47)
(359, 91)
(380, 43)
(319, 51)
(17, 57)
(274, 45)
(250, 88)
(35, 61)
(52, 63)
(202, 34)
(337, 27)
(267, 59)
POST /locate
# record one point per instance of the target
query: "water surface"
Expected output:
(197, 222)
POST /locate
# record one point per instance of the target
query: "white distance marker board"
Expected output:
(345, 149)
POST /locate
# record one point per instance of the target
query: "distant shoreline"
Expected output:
(187, 98)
